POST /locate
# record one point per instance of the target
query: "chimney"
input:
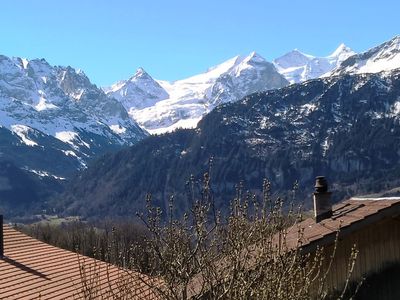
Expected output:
(322, 200)
(1, 237)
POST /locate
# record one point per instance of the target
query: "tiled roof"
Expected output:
(31, 269)
(348, 216)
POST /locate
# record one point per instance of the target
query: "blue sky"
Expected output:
(174, 39)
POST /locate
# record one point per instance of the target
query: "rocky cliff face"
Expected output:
(56, 114)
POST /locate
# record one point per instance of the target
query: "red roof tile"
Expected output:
(31, 269)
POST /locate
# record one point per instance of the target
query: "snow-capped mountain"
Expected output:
(384, 57)
(140, 91)
(46, 109)
(297, 67)
(166, 106)
(346, 127)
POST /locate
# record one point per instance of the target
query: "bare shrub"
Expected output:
(204, 254)
(244, 255)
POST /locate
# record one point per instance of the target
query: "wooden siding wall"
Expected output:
(378, 246)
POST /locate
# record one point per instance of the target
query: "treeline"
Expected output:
(110, 241)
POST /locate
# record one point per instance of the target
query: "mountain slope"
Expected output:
(298, 67)
(22, 193)
(384, 57)
(58, 114)
(345, 127)
(160, 106)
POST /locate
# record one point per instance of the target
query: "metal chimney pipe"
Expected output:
(1, 237)
(322, 200)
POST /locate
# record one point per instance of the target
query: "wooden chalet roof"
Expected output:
(347, 216)
(31, 269)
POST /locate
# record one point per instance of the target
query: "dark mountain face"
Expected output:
(346, 128)
(21, 192)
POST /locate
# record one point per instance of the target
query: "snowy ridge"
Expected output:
(385, 57)
(161, 106)
(181, 104)
(298, 67)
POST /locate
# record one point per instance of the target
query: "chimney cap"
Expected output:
(321, 184)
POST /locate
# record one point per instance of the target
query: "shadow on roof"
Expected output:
(24, 267)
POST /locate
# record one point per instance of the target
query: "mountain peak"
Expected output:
(255, 57)
(254, 54)
(80, 72)
(39, 62)
(395, 39)
(140, 72)
(296, 51)
(294, 58)
(393, 44)
(140, 91)
(340, 50)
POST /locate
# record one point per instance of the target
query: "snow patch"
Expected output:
(325, 146)
(78, 95)
(395, 110)
(184, 123)
(72, 138)
(44, 174)
(25, 63)
(22, 132)
(43, 104)
(308, 108)
(66, 136)
(264, 123)
(118, 129)
(69, 153)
